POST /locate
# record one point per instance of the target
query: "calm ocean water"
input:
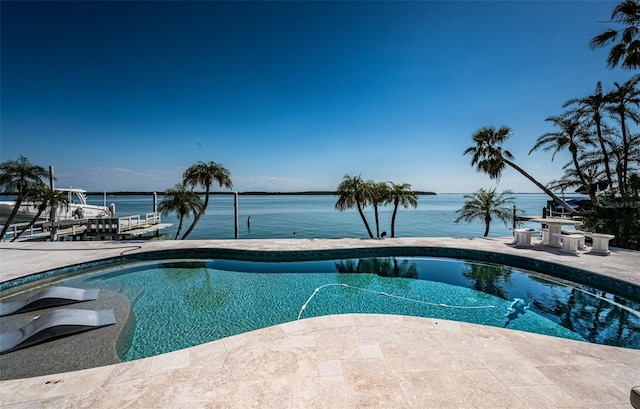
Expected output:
(314, 216)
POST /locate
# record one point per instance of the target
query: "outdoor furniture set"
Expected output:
(567, 243)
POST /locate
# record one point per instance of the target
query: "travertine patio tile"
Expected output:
(456, 389)
(512, 371)
(327, 392)
(268, 393)
(331, 367)
(21, 390)
(44, 403)
(129, 373)
(586, 384)
(370, 383)
(266, 364)
(170, 361)
(468, 361)
(544, 396)
(213, 389)
(294, 341)
(370, 351)
(299, 327)
(336, 346)
(466, 345)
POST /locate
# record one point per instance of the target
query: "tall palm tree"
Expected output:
(19, 176)
(570, 179)
(401, 194)
(379, 195)
(490, 158)
(572, 136)
(204, 174)
(485, 205)
(622, 105)
(627, 49)
(182, 201)
(353, 192)
(593, 108)
(43, 198)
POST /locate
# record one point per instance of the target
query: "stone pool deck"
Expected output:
(346, 361)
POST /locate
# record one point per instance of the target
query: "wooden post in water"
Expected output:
(235, 212)
(52, 212)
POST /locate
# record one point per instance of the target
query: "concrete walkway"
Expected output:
(347, 361)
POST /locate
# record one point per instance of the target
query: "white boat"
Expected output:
(77, 209)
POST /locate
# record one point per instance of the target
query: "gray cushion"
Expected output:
(635, 397)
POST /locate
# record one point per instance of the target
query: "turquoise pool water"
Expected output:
(182, 303)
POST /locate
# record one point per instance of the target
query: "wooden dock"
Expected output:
(113, 228)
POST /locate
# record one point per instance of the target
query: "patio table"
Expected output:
(555, 228)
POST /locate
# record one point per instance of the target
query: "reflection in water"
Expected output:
(488, 278)
(203, 297)
(382, 266)
(601, 319)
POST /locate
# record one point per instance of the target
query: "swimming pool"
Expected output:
(178, 303)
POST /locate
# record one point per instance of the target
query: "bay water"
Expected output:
(314, 216)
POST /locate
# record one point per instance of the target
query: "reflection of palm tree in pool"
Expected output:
(488, 278)
(625, 329)
(206, 298)
(351, 273)
(593, 318)
(363, 272)
(382, 266)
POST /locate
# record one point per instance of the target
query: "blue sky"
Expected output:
(291, 96)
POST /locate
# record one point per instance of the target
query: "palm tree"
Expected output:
(592, 173)
(204, 174)
(626, 13)
(622, 105)
(379, 195)
(593, 108)
(353, 192)
(401, 194)
(572, 136)
(490, 158)
(42, 198)
(19, 176)
(182, 201)
(485, 204)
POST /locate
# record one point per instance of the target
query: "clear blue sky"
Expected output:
(291, 95)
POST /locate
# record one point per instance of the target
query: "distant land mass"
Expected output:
(253, 193)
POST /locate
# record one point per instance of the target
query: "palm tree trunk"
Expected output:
(364, 219)
(27, 227)
(375, 211)
(605, 154)
(487, 223)
(574, 156)
(179, 226)
(541, 186)
(625, 154)
(198, 216)
(393, 219)
(11, 217)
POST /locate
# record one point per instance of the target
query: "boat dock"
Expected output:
(112, 228)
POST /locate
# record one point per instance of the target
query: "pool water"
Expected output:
(182, 303)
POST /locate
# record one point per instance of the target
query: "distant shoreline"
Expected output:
(251, 193)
